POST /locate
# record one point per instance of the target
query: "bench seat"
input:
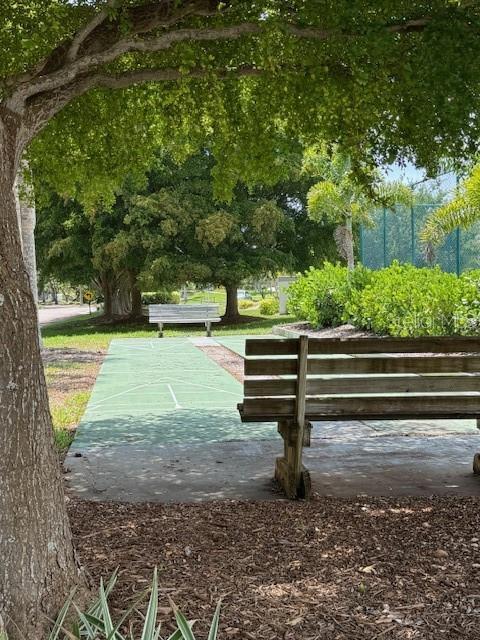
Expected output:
(299, 381)
(162, 314)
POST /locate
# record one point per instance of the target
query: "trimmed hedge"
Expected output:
(400, 300)
(269, 306)
(161, 297)
(320, 295)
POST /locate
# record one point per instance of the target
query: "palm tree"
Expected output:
(462, 211)
(340, 197)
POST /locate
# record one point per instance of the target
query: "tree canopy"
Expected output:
(239, 74)
(86, 81)
(171, 229)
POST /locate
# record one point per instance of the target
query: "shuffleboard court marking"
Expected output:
(122, 393)
(161, 381)
(205, 386)
(163, 392)
(177, 405)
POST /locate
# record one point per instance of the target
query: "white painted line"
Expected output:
(204, 386)
(122, 393)
(177, 406)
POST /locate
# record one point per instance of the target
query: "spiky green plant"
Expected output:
(97, 622)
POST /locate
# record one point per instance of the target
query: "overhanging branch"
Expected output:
(131, 78)
(42, 108)
(89, 28)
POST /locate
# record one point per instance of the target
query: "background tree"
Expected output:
(82, 247)
(196, 238)
(380, 78)
(346, 197)
(173, 230)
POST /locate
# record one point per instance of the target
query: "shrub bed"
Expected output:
(320, 296)
(269, 306)
(161, 297)
(400, 300)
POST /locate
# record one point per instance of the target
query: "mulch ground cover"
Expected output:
(338, 569)
(69, 371)
(227, 359)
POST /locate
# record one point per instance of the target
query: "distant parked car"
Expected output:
(242, 294)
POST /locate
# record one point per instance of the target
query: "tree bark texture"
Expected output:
(231, 309)
(343, 236)
(38, 567)
(26, 203)
(136, 298)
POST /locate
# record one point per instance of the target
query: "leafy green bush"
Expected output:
(161, 297)
(468, 310)
(269, 306)
(403, 300)
(246, 304)
(400, 300)
(97, 623)
(320, 295)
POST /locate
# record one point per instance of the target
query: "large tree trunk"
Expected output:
(105, 284)
(136, 298)
(231, 310)
(38, 567)
(122, 297)
(26, 204)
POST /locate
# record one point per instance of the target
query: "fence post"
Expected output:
(458, 265)
(361, 244)
(412, 232)
(384, 237)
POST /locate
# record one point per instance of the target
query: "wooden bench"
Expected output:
(183, 314)
(298, 381)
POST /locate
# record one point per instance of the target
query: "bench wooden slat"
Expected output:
(186, 320)
(184, 306)
(163, 314)
(365, 365)
(262, 387)
(316, 346)
(437, 406)
(376, 379)
(174, 313)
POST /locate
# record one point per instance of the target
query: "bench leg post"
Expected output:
(208, 327)
(160, 329)
(285, 465)
(476, 457)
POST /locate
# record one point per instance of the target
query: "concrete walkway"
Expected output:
(162, 425)
(54, 312)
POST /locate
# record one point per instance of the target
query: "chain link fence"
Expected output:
(395, 235)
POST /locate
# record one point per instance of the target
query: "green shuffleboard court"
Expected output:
(161, 392)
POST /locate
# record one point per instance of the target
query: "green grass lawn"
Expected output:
(69, 385)
(90, 333)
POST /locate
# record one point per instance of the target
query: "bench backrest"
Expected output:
(363, 378)
(159, 312)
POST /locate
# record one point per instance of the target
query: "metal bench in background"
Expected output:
(162, 314)
(299, 381)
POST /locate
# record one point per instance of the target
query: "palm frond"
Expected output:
(454, 214)
(461, 212)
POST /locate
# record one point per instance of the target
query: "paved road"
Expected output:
(61, 312)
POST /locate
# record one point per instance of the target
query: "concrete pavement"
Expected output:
(54, 312)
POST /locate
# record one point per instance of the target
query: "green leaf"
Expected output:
(149, 627)
(212, 635)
